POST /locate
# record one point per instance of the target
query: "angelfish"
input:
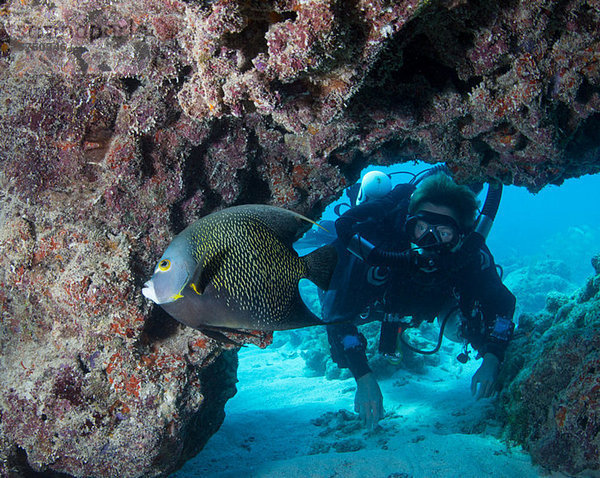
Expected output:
(236, 269)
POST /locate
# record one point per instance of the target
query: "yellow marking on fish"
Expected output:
(193, 286)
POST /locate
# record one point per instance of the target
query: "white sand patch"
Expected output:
(283, 424)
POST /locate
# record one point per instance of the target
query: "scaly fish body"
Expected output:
(236, 268)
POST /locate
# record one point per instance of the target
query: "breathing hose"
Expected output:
(475, 239)
(440, 336)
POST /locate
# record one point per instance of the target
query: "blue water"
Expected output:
(559, 222)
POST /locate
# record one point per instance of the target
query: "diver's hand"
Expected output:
(368, 402)
(486, 377)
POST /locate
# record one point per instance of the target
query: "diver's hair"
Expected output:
(440, 190)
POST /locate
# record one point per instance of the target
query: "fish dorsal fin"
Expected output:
(288, 226)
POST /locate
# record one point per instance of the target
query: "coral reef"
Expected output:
(508, 91)
(124, 121)
(551, 395)
(95, 383)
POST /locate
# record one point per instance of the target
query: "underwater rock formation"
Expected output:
(121, 122)
(551, 395)
(94, 382)
(531, 284)
(508, 91)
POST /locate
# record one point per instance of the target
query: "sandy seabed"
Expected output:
(283, 423)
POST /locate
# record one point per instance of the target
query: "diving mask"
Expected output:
(433, 232)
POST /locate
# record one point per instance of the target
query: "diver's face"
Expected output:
(447, 233)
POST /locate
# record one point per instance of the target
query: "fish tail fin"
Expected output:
(321, 264)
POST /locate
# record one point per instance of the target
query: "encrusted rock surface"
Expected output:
(551, 397)
(506, 90)
(94, 382)
(121, 122)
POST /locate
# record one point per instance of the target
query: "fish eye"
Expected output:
(164, 265)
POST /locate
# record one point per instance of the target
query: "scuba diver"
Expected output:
(413, 255)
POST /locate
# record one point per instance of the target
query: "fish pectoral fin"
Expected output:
(195, 289)
(204, 274)
(195, 281)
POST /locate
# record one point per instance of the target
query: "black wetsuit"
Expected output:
(360, 289)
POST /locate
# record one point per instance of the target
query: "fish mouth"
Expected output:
(149, 292)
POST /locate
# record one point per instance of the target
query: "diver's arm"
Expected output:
(346, 224)
(483, 383)
(348, 348)
(348, 351)
(498, 307)
(368, 401)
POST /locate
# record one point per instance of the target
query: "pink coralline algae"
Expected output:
(551, 398)
(122, 122)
